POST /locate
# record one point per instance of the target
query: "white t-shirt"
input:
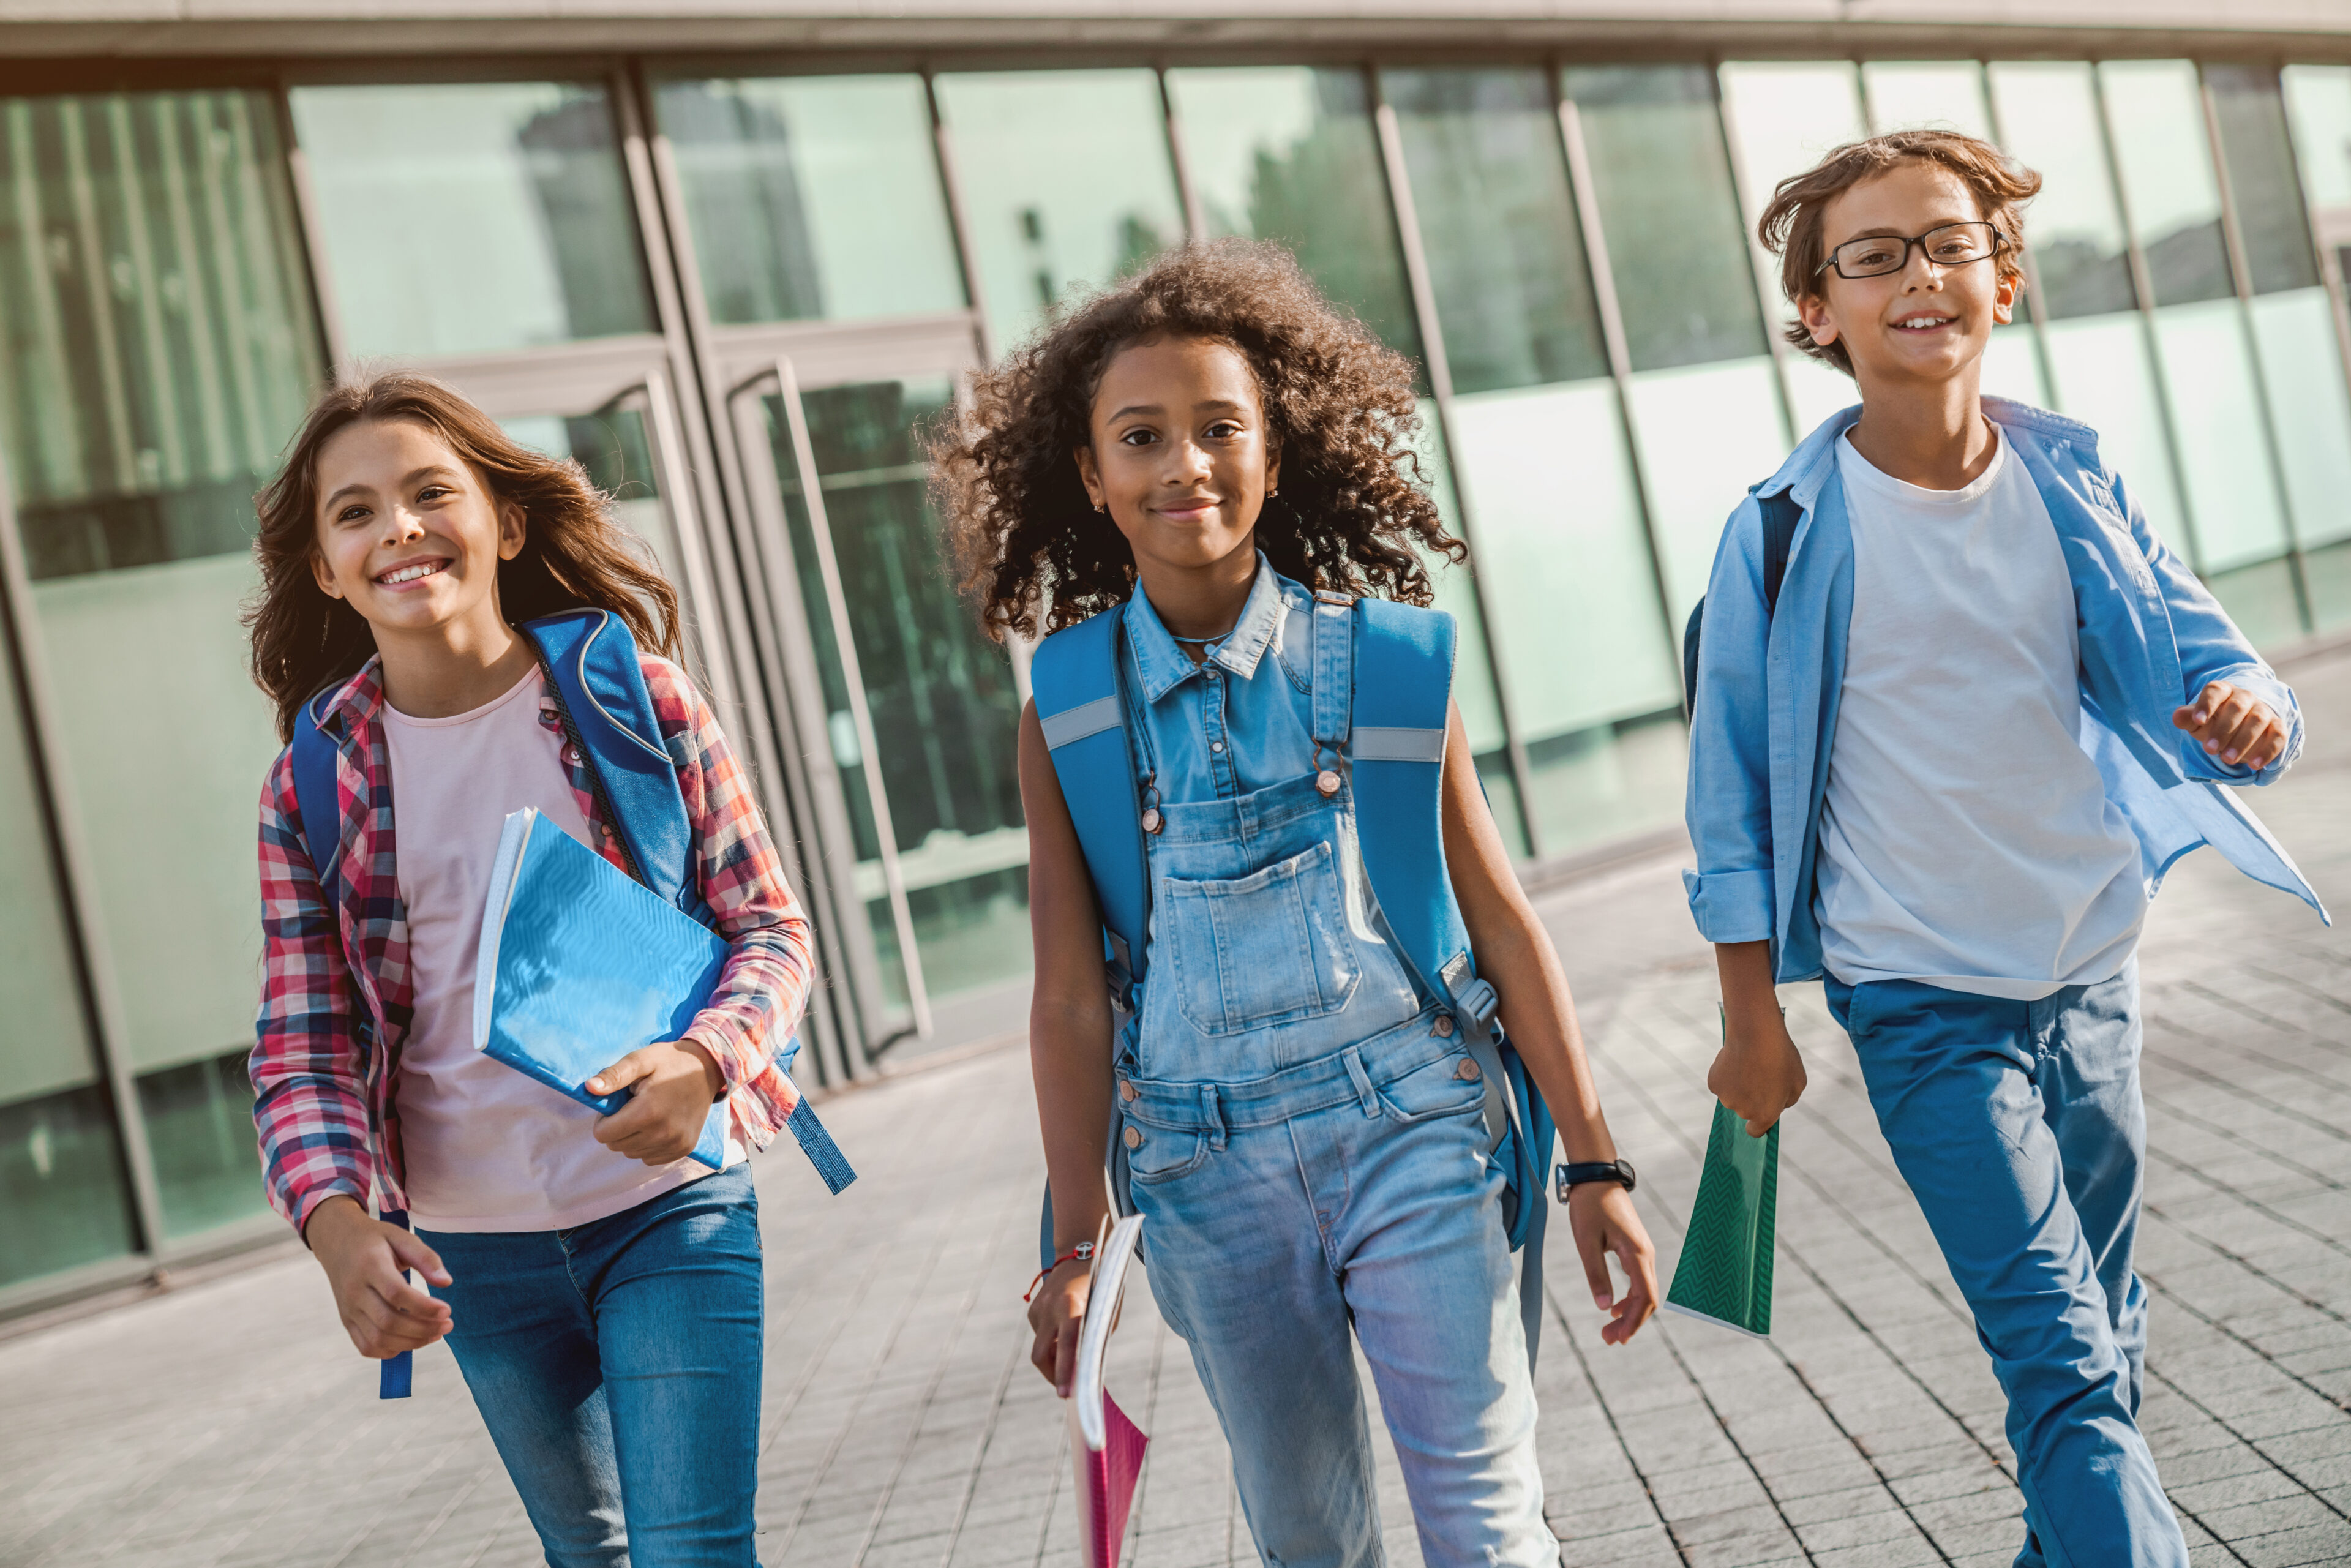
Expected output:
(1967, 840)
(485, 1148)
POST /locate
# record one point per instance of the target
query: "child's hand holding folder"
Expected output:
(672, 1085)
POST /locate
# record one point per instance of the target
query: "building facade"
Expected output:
(736, 263)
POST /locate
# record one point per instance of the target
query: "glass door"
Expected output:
(917, 765)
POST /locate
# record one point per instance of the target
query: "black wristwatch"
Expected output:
(1619, 1171)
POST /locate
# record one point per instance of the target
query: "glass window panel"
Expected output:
(1784, 117)
(2318, 106)
(2258, 150)
(1497, 222)
(2012, 365)
(612, 445)
(1693, 485)
(1290, 153)
(2165, 161)
(945, 710)
(199, 1119)
(1576, 609)
(1661, 179)
(140, 419)
(508, 202)
(2327, 573)
(2049, 119)
(1065, 182)
(2223, 450)
(2099, 365)
(1940, 95)
(1816, 390)
(63, 1200)
(2260, 600)
(2301, 367)
(812, 198)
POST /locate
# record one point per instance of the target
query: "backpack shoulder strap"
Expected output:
(316, 798)
(1074, 677)
(1780, 514)
(1404, 685)
(593, 664)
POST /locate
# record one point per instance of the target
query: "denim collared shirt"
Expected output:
(1765, 716)
(1241, 719)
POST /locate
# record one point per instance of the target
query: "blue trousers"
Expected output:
(617, 1367)
(2020, 1129)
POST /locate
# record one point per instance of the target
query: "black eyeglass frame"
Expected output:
(1998, 243)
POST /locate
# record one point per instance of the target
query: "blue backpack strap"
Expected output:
(1404, 687)
(316, 798)
(593, 662)
(1074, 679)
(1781, 516)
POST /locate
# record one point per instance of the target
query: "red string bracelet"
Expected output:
(1083, 1252)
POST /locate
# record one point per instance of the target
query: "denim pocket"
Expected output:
(1271, 947)
(1435, 1090)
(1164, 1154)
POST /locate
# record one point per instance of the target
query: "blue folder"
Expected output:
(581, 964)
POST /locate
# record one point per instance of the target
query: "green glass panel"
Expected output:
(2328, 574)
(1594, 686)
(62, 1200)
(1290, 153)
(2165, 161)
(2318, 106)
(1694, 486)
(2224, 457)
(944, 706)
(1661, 179)
(200, 1131)
(812, 198)
(471, 217)
(1065, 181)
(611, 445)
(2259, 598)
(140, 418)
(1784, 116)
(2302, 367)
(2103, 378)
(1498, 223)
(2258, 149)
(2048, 120)
(1927, 95)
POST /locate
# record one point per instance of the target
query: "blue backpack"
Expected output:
(1387, 714)
(591, 662)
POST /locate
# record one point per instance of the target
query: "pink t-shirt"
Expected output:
(486, 1148)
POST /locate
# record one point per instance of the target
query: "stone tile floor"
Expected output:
(229, 1424)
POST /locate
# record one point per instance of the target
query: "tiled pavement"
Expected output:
(228, 1423)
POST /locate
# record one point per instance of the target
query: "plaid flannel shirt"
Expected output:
(325, 1058)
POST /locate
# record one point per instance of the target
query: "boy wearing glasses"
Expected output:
(1943, 761)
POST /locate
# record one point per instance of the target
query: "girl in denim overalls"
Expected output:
(1211, 444)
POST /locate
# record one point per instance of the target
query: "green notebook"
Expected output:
(1725, 1272)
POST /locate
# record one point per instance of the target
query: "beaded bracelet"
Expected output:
(1083, 1252)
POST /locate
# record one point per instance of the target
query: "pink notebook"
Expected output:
(1105, 1447)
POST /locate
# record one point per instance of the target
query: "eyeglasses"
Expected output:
(1875, 256)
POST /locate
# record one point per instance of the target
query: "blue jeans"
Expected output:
(2020, 1129)
(617, 1367)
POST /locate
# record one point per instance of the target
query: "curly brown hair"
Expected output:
(1340, 413)
(574, 554)
(1790, 228)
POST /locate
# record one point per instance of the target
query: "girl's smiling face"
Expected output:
(408, 532)
(1180, 453)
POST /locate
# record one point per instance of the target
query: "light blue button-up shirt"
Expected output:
(1241, 720)
(1769, 685)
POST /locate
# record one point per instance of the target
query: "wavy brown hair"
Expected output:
(574, 556)
(1790, 228)
(1353, 515)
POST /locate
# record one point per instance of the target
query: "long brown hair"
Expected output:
(574, 556)
(1354, 515)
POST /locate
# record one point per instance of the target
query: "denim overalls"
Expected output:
(1304, 1134)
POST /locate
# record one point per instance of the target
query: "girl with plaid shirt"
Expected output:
(591, 1278)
